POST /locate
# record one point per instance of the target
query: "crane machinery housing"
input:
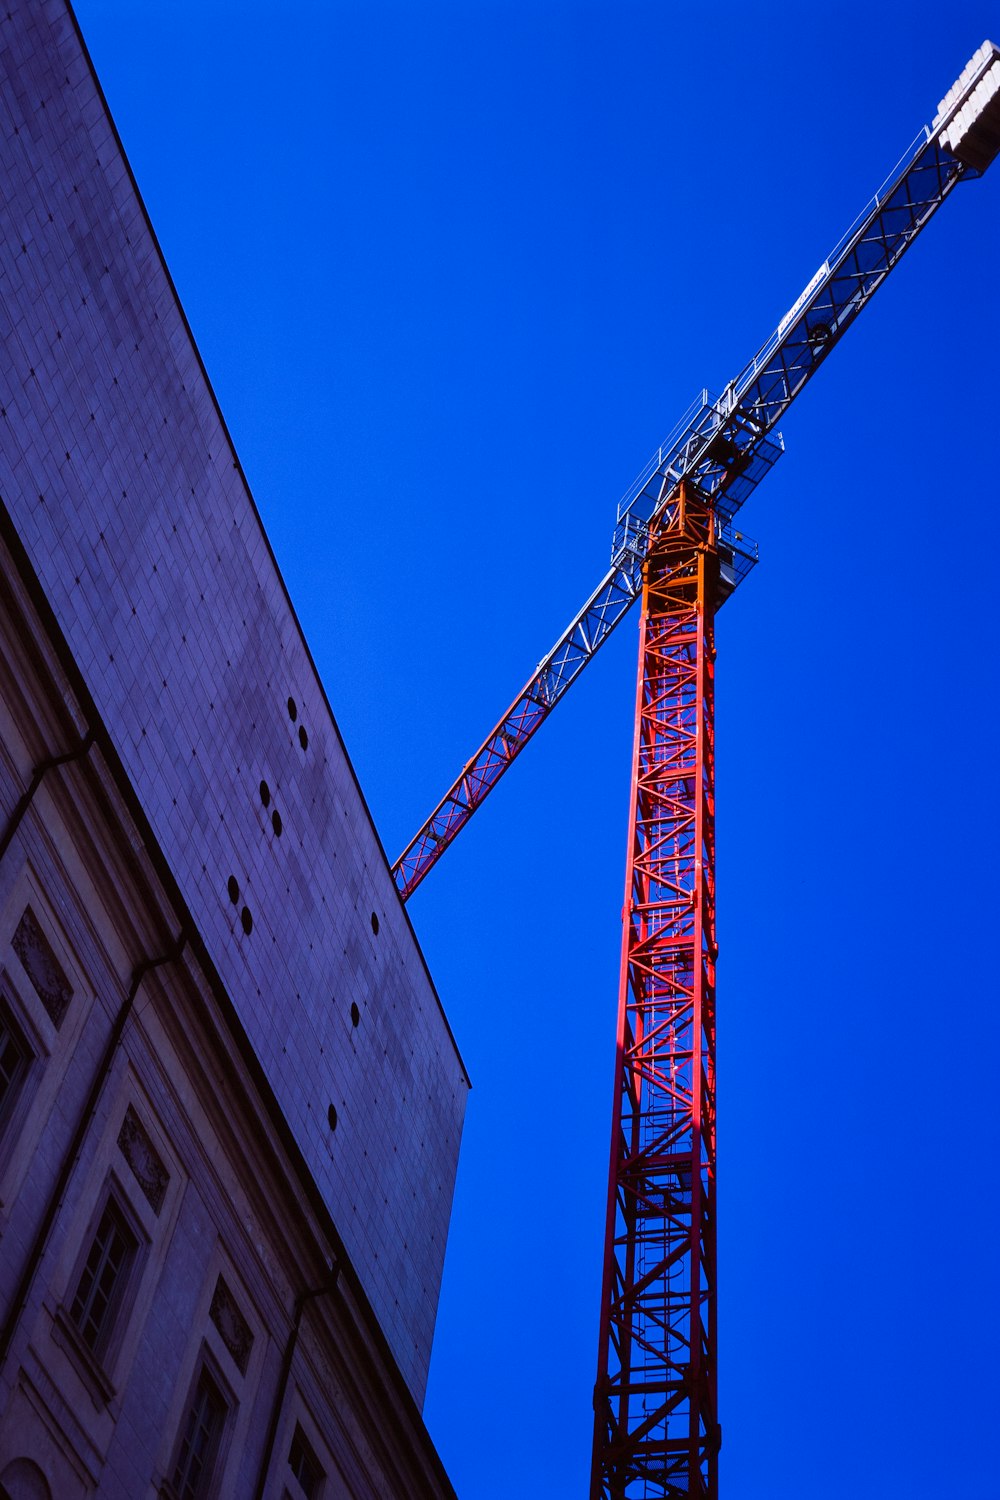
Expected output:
(676, 547)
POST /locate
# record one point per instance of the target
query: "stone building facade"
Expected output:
(230, 1102)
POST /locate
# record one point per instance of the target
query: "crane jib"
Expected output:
(725, 445)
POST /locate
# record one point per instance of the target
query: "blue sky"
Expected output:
(455, 269)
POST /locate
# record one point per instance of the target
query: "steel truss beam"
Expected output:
(655, 1428)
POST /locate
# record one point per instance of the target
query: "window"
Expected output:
(199, 1448)
(104, 1276)
(305, 1465)
(14, 1058)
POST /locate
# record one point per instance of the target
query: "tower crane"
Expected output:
(676, 547)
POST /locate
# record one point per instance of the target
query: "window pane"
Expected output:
(200, 1442)
(304, 1464)
(103, 1278)
(13, 1062)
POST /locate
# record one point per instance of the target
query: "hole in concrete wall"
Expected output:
(331, 1118)
(293, 712)
(247, 920)
(375, 924)
(276, 822)
(233, 887)
(303, 737)
(265, 793)
(355, 1014)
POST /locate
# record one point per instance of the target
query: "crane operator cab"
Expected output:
(737, 555)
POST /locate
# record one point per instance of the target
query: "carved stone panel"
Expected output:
(42, 967)
(140, 1153)
(232, 1325)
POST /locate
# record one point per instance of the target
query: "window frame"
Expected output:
(301, 1437)
(113, 1215)
(206, 1368)
(11, 1104)
(97, 1361)
(54, 1047)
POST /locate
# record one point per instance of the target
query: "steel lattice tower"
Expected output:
(655, 1401)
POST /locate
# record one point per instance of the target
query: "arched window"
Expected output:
(24, 1480)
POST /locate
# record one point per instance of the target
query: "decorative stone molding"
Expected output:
(233, 1327)
(42, 967)
(141, 1155)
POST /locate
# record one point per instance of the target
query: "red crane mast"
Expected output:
(655, 1398)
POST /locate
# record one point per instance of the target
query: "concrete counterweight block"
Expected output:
(967, 122)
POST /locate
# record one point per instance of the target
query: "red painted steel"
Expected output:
(656, 1429)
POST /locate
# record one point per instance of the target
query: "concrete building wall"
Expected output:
(123, 487)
